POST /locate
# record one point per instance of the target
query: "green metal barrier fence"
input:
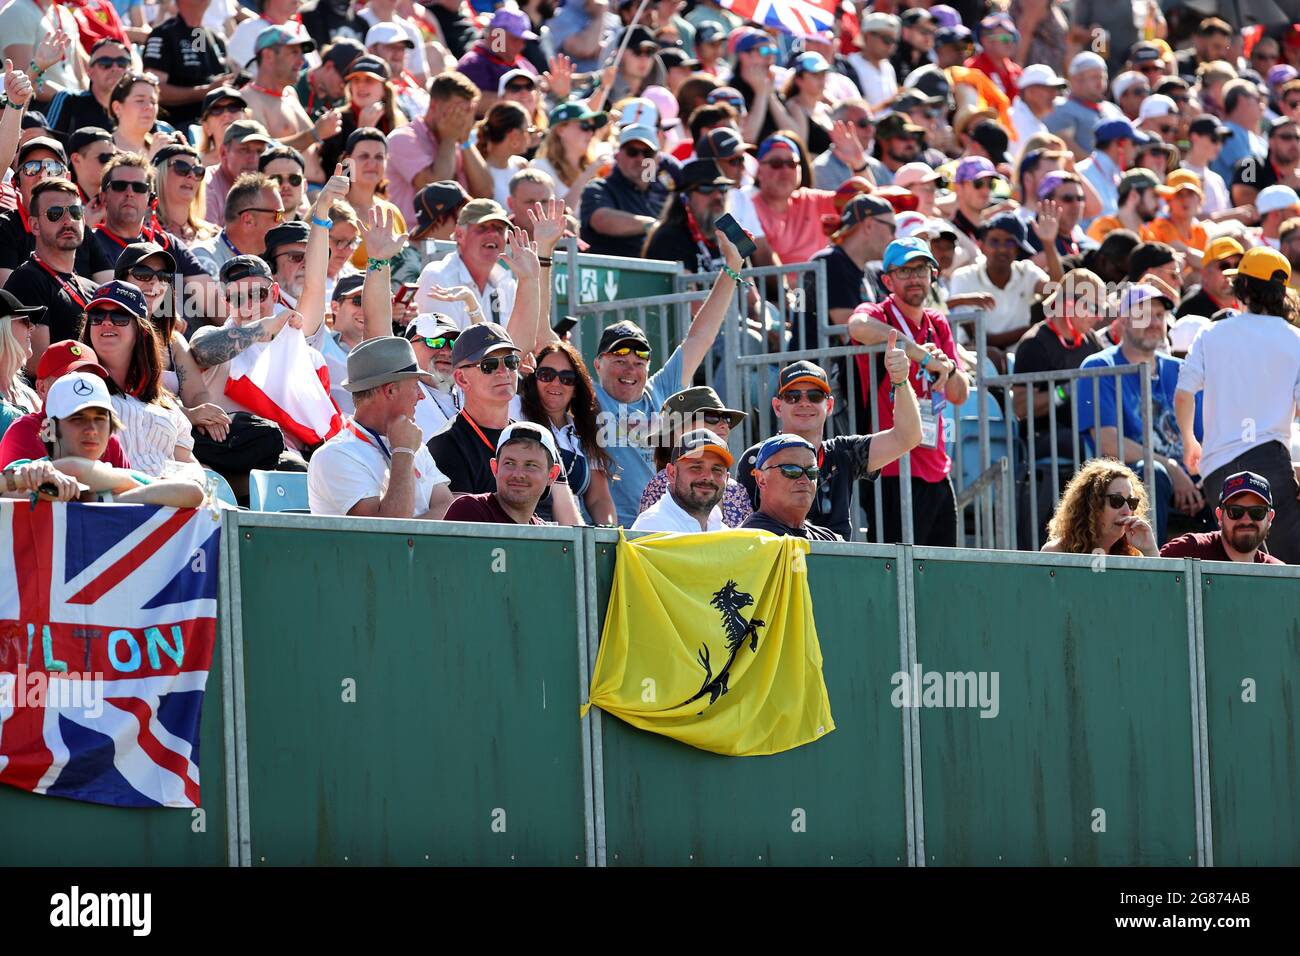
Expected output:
(407, 692)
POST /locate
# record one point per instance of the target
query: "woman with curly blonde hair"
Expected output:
(1103, 510)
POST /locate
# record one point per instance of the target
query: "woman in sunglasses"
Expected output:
(1103, 510)
(134, 110)
(689, 409)
(217, 116)
(286, 167)
(569, 153)
(560, 394)
(16, 399)
(182, 200)
(156, 435)
(804, 96)
(504, 135)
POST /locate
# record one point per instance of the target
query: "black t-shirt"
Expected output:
(64, 316)
(744, 89)
(672, 242)
(70, 112)
(111, 246)
(17, 244)
(1198, 302)
(327, 22)
(1249, 171)
(1041, 349)
(459, 33)
(764, 522)
(843, 459)
(190, 56)
(847, 287)
(466, 459)
(615, 192)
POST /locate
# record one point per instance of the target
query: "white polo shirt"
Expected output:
(353, 466)
(496, 301)
(666, 515)
(1012, 303)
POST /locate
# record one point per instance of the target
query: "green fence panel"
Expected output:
(1252, 650)
(462, 744)
(1094, 714)
(52, 831)
(837, 801)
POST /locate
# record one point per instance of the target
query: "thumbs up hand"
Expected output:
(897, 364)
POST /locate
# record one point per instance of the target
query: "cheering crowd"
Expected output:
(215, 223)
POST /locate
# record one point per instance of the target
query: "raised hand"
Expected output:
(330, 122)
(335, 188)
(18, 86)
(1047, 224)
(548, 225)
(559, 76)
(371, 115)
(521, 254)
(455, 293)
(52, 48)
(896, 362)
(729, 252)
(380, 233)
(845, 145)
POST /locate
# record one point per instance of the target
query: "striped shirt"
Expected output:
(150, 435)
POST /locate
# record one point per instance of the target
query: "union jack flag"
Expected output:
(107, 626)
(799, 17)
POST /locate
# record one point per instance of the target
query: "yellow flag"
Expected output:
(709, 639)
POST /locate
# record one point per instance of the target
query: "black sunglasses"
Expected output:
(145, 274)
(181, 168)
(587, 126)
(567, 377)
(518, 87)
(105, 157)
(293, 179)
(636, 152)
(120, 320)
(1119, 501)
(793, 396)
(812, 472)
(104, 62)
(710, 188)
(55, 213)
(1256, 512)
(489, 365)
(121, 186)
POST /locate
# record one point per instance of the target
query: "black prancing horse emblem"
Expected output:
(729, 602)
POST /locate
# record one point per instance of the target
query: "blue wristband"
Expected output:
(325, 223)
(926, 361)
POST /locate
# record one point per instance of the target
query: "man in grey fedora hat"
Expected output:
(377, 466)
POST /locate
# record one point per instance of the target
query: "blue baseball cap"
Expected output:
(1112, 130)
(902, 251)
(1244, 481)
(1010, 224)
(124, 295)
(779, 443)
(775, 140)
(810, 63)
(754, 39)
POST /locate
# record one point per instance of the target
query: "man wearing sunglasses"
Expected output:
(786, 475)
(1221, 257)
(1250, 177)
(973, 182)
(40, 160)
(433, 336)
(50, 276)
(1205, 136)
(285, 167)
(253, 208)
(687, 233)
(286, 252)
(70, 111)
(873, 71)
(1246, 367)
(1245, 515)
(917, 31)
(619, 210)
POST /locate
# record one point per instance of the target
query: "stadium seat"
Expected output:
(282, 491)
(225, 494)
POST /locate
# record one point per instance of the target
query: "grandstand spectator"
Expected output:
(630, 401)
(1138, 204)
(1243, 112)
(1158, 259)
(1206, 136)
(1039, 87)
(377, 466)
(832, 167)
(390, 43)
(531, 191)
(285, 167)
(690, 409)
(1251, 175)
(1275, 204)
(321, 89)
(1211, 42)
(49, 277)
(953, 45)
(89, 149)
(42, 41)
(695, 482)
(1222, 255)
(242, 145)
(927, 339)
(1141, 313)
(1158, 117)
(78, 423)
(973, 179)
(1103, 510)
(866, 227)
(687, 230)
(561, 396)
(155, 431)
(1115, 143)
(755, 80)
(500, 51)
(221, 107)
(1076, 117)
(619, 209)
(272, 13)
(922, 181)
(371, 104)
(1179, 227)
(436, 207)
(280, 53)
(503, 136)
(1012, 282)
(1245, 525)
(1130, 90)
(899, 141)
(252, 208)
(133, 105)
(16, 321)
(804, 97)
(525, 465)
(432, 149)
(568, 151)
(73, 109)
(786, 475)
(39, 160)
(286, 253)
(915, 42)
(842, 459)
(789, 212)
(578, 30)
(1247, 366)
(874, 73)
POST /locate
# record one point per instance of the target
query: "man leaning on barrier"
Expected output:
(927, 340)
(377, 466)
(1245, 525)
(803, 403)
(786, 473)
(630, 398)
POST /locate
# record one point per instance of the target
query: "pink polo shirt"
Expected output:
(411, 148)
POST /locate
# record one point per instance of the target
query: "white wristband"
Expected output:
(398, 451)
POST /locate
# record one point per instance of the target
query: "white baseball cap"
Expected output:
(1274, 198)
(1039, 74)
(386, 32)
(876, 22)
(1156, 106)
(640, 112)
(538, 433)
(74, 392)
(1125, 82)
(1086, 60)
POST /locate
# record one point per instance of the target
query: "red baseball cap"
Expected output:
(69, 356)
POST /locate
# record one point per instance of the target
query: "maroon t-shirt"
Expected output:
(22, 439)
(483, 508)
(1207, 546)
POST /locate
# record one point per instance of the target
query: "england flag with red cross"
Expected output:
(107, 626)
